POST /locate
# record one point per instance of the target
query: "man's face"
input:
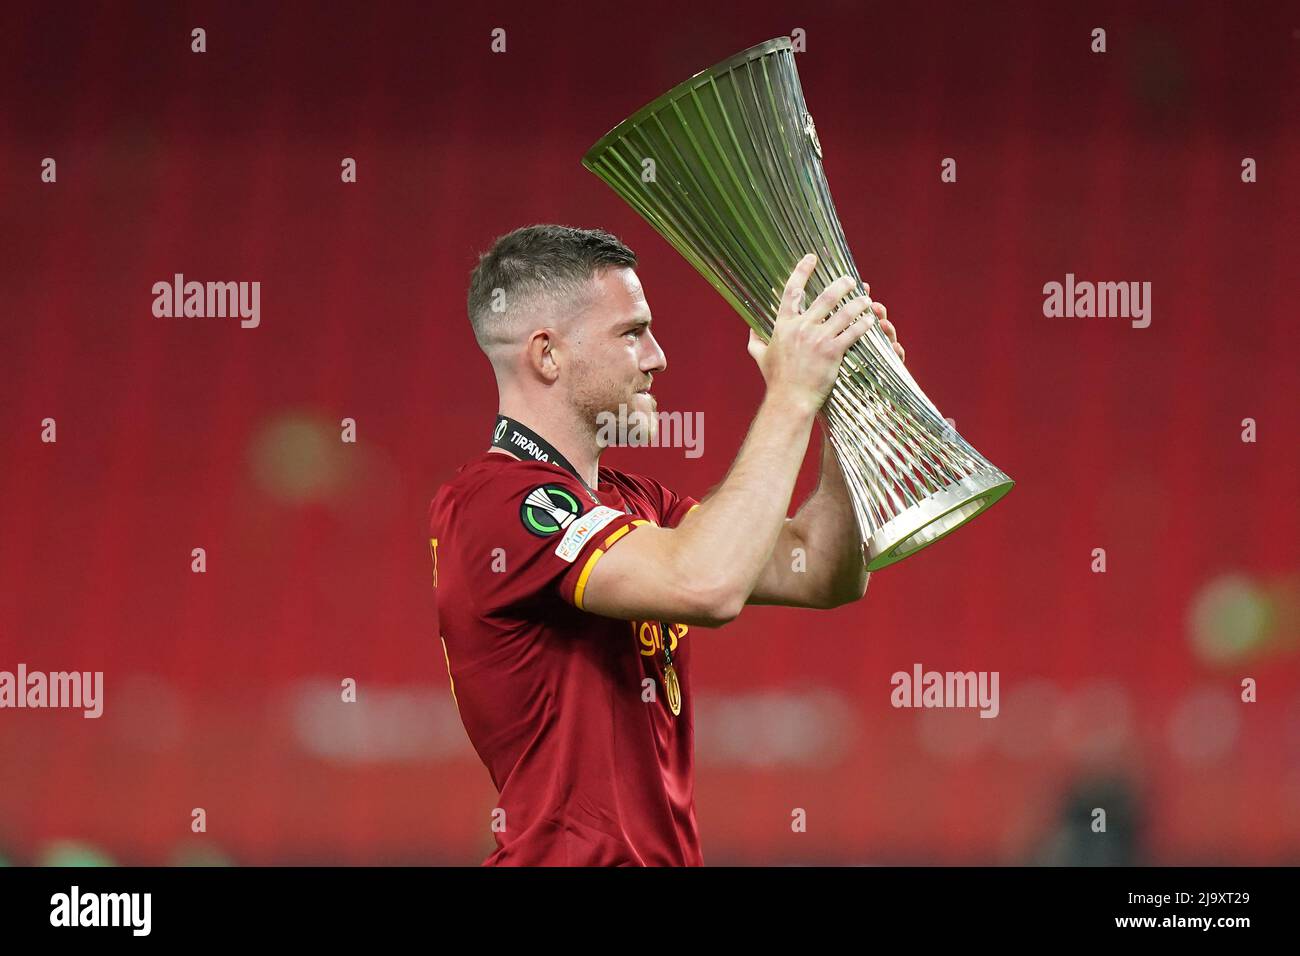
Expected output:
(613, 355)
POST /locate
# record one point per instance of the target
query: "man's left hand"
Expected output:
(888, 328)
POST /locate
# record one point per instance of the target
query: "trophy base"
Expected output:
(939, 515)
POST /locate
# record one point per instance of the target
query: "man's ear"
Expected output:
(542, 356)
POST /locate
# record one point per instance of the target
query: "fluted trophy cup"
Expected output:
(727, 167)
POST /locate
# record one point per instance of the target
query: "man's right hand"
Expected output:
(802, 358)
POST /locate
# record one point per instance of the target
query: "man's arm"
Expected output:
(701, 571)
(830, 571)
(705, 569)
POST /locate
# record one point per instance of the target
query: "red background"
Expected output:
(222, 688)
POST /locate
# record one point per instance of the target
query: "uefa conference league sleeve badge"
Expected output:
(548, 509)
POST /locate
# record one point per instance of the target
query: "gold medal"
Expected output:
(673, 690)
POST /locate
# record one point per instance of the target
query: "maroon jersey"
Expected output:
(567, 709)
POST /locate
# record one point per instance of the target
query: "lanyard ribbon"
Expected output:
(518, 439)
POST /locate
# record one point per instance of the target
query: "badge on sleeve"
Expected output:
(582, 530)
(548, 509)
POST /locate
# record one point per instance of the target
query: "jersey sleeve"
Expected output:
(681, 507)
(669, 506)
(534, 534)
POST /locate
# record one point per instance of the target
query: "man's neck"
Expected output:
(569, 439)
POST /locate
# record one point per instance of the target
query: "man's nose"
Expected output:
(656, 356)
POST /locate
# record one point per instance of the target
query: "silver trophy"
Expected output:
(727, 167)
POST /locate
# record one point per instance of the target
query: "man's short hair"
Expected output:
(532, 264)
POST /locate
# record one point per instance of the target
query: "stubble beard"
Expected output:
(639, 413)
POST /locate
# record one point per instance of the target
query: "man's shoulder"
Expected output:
(661, 500)
(627, 480)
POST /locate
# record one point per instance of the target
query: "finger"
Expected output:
(880, 310)
(794, 286)
(851, 334)
(900, 352)
(888, 328)
(847, 315)
(831, 295)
